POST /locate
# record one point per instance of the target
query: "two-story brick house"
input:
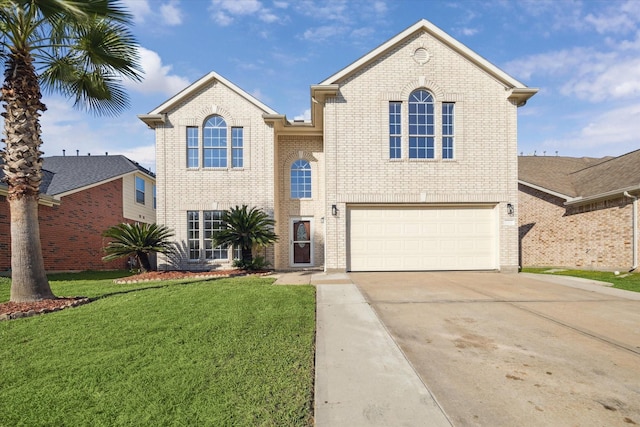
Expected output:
(409, 162)
(81, 196)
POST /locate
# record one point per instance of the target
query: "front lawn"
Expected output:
(624, 280)
(217, 352)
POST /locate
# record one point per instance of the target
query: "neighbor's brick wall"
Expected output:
(356, 132)
(71, 233)
(180, 189)
(593, 236)
(290, 149)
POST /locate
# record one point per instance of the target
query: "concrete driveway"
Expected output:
(506, 350)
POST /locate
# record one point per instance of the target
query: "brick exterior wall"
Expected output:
(180, 189)
(290, 149)
(359, 170)
(71, 233)
(593, 236)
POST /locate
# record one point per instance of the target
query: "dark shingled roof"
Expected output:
(72, 172)
(581, 177)
(66, 173)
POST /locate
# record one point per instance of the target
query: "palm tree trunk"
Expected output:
(247, 255)
(28, 278)
(23, 173)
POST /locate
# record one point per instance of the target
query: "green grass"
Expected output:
(625, 281)
(217, 352)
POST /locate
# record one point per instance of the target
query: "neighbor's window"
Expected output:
(192, 147)
(301, 180)
(212, 223)
(139, 190)
(154, 196)
(447, 130)
(395, 138)
(237, 147)
(215, 143)
(421, 125)
(193, 234)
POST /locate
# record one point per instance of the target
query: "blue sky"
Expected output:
(584, 56)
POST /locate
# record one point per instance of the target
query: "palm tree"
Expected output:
(138, 241)
(80, 49)
(246, 229)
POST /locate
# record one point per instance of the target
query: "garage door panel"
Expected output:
(427, 238)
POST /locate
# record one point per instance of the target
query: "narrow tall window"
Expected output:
(421, 125)
(139, 190)
(395, 127)
(301, 180)
(154, 196)
(237, 147)
(192, 147)
(212, 223)
(215, 143)
(447, 130)
(193, 234)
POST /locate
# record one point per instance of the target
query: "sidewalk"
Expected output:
(362, 376)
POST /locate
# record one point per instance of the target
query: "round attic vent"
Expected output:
(421, 55)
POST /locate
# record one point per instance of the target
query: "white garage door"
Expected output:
(400, 238)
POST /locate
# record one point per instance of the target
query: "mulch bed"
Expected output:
(17, 310)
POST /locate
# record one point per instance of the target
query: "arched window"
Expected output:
(214, 151)
(421, 125)
(301, 179)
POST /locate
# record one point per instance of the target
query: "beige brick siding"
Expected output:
(289, 149)
(357, 148)
(181, 189)
(593, 236)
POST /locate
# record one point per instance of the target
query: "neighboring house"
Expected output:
(579, 212)
(81, 197)
(409, 162)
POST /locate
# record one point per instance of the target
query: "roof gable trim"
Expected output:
(439, 34)
(196, 86)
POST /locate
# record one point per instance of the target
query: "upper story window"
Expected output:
(154, 196)
(447, 129)
(395, 130)
(139, 190)
(421, 125)
(237, 147)
(301, 179)
(214, 152)
(192, 147)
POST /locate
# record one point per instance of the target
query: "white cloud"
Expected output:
(610, 133)
(224, 12)
(306, 115)
(64, 128)
(324, 32)
(281, 4)
(157, 77)
(618, 18)
(468, 31)
(140, 9)
(171, 13)
(614, 80)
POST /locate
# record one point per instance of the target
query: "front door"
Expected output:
(301, 242)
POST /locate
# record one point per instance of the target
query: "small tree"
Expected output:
(138, 241)
(245, 229)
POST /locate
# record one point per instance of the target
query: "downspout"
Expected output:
(635, 230)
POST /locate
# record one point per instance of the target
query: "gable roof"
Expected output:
(581, 179)
(156, 116)
(520, 92)
(64, 174)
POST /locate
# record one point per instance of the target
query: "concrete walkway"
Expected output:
(362, 376)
